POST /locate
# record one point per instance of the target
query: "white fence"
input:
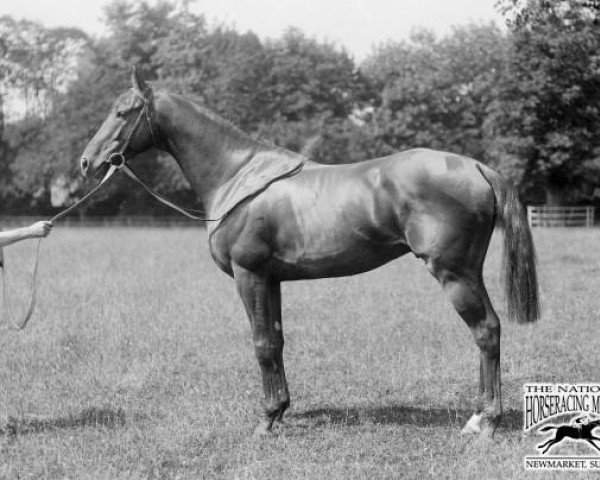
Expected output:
(560, 216)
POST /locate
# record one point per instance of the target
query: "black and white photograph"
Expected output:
(274, 239)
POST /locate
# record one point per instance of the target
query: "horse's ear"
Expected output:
(138, 82)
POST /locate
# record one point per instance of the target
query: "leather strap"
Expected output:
(10, 324)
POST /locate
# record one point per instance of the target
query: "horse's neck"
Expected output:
(207, 148)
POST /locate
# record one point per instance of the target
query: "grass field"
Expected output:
(139, 364)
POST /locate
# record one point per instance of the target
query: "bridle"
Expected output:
(117, 159)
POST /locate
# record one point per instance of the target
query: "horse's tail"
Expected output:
(519, 254)
(545, 429)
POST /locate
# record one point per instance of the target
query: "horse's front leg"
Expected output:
(261, 294)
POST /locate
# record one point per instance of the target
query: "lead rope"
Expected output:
(17, 326)
(12, 325)
(113, 166)
(34, 276)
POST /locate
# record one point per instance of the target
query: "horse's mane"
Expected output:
(228, 127)
(226, 124)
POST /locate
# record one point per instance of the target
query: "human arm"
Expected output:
(36, 230)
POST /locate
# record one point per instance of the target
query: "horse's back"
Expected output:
(390, 190)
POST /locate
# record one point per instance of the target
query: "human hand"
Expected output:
(40, 229)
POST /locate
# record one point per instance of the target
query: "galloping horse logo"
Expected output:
(581, 431)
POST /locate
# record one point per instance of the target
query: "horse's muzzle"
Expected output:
(101, 170)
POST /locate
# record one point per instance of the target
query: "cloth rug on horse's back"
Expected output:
(252, 178)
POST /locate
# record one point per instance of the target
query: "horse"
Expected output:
(305, 220)
(579, 432)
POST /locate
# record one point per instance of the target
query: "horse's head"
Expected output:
(127, 131)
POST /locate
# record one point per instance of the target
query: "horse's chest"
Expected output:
(243, 240)
(219, 253)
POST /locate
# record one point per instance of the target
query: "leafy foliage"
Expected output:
(527, 101)
(546, 116)
(435, 93)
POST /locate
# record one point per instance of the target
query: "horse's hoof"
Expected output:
(473, 426)
(487, 433)
(262, 430)
(470, 431)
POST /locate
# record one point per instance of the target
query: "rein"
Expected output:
(17, 326)
(34, 275)
(116, 162)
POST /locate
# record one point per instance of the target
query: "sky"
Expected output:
(357, 25)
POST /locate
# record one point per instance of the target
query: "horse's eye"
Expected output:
(120, 113)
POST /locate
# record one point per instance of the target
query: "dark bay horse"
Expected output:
(308, 220)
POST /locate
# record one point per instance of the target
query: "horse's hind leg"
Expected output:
(470, 298)
(457, 263)
(261, 295)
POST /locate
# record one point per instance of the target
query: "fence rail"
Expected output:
(121, 221)
(560, 216)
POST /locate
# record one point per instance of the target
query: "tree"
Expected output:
(546, 119)
(435, 93)
(308, 79)
(219, 67)
(137, 31)
(35, 62)
(286, 90)
(36, 66)
(311, 90)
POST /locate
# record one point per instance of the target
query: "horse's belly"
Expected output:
(335, 233)
(353, 259)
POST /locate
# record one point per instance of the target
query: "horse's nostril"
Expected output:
(84, 164)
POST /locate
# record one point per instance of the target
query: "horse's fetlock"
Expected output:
(492, 414)
(275, 407)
